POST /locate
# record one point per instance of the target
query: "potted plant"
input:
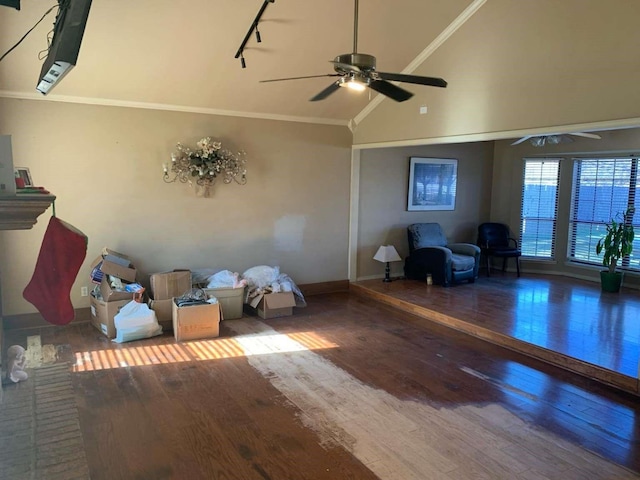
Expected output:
(616, 244)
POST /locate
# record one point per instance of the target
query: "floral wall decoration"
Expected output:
(206, 164)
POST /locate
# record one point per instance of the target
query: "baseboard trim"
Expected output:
(335, 286)
(35, 320)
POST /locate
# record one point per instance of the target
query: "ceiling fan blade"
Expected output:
(390, 90)
(298, 78)
(523, 139)
(400, 77)
(326, 92)
(587, 135)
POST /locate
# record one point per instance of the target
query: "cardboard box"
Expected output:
(116, 264)
(166, 285)
(102, 314)
(196, 321)
(164, 312)
(273, 305)
(111, 295)
(230, 300)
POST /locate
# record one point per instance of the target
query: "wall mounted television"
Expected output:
(68, 31)
(10, 3)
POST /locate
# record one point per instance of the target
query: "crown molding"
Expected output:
(460, 20)
(107, 102)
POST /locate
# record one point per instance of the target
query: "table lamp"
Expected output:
(386, 254)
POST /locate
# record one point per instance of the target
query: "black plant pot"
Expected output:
(610, 282)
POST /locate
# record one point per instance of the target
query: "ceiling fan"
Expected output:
(357, 71)
(554, 138)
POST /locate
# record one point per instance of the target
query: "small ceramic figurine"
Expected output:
(16, 360)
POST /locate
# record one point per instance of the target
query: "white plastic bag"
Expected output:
(261, 276)
(137, 333)
(135, 321)
(225, 279)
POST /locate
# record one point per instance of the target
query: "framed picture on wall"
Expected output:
(432, 184)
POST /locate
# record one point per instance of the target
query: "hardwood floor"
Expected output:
(565, 321)
(345, 388)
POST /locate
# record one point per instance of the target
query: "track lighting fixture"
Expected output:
(254, 26)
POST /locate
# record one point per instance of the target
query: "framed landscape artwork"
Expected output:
(432, 184)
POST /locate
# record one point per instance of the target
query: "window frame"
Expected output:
(632, 199)
(553, 219)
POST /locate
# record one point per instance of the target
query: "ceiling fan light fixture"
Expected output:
(537, 141)
(353, 83)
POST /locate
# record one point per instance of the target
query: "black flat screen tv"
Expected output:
(68, 31)
(11, 3)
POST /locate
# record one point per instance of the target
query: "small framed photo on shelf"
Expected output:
(432, 184)
(23, 176)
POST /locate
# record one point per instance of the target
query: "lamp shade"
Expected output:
(387, 253)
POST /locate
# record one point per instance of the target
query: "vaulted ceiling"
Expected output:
(513, 66)
(181, 54)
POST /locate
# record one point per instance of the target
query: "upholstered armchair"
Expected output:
(429, 252)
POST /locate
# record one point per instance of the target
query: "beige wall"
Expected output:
(520, 65)
(507, 190)
(383, 215)
(105, 166)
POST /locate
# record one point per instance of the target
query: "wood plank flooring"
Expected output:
(564, 321)
(345, 388)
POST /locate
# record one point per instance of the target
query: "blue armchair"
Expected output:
(429, 252)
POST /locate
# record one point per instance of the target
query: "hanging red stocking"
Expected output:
(61, 255)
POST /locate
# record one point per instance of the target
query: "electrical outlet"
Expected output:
(84, 291)
(423, 109)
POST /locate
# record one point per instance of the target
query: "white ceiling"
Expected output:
(180, 55)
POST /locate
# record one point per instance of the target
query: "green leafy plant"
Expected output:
(618, 242)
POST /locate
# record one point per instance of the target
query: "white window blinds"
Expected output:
(539, 207)
(603, 189)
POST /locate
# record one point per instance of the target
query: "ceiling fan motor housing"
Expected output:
(361, 60)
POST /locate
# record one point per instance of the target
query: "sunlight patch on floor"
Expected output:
(123, 356)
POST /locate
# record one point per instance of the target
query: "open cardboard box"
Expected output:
(273, 305)
(117, 265)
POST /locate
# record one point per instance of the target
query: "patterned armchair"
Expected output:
(429, 252)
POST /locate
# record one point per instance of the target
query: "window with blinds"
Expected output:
(539, 208)
(603, 188)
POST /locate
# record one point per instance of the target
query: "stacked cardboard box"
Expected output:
(104, 309)
(165, 286)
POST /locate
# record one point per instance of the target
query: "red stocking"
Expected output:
(61, 255)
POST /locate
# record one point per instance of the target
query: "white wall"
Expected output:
(104, 164)
(383, 215)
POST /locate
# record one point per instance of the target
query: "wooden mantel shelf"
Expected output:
(21, 211)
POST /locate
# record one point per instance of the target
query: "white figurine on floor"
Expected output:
(16, 360)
